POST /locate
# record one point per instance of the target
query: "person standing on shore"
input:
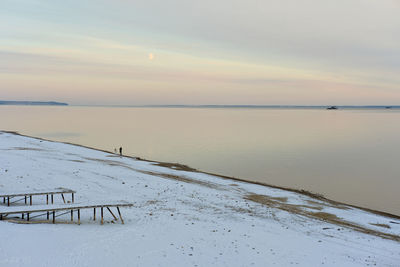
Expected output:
(120, 151)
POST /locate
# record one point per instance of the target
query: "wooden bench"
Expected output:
(61, 210)
(26, 195)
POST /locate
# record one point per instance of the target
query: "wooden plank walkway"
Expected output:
(52, 210)
(7, 198)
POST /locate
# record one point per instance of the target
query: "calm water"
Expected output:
(347, 155)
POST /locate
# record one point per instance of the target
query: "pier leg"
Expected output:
(72, 197)
(79, 216)
(48, 215)
(72, 215)
(102, 220)
(8, 201)
(94, 214)
(23, 215)
(27, 216)
(25, 200)
(62, 195)
(119, 213)
(52, 199)
(112, 214)
(54, 217)
(47, 199)
(30, 200)
(4, 200)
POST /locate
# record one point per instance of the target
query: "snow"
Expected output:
(179, 218)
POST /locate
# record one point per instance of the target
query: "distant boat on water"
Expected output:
(331, 107)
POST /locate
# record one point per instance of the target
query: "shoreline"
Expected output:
(182, 167)
(178, 216)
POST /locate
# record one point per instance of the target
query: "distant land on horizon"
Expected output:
(33, 103)
(257, 106)
(54, 103)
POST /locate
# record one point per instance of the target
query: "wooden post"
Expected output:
(72, 197)
(4, 200)
(54, 217)
(8, 201)
(62, 195)
(112, 214)
(25, 200)
(48, 215)
(22, 216)
(72, 215)
(94, 214)
(1, 216)
(47, 199)
(30, 200)
(52, 199)
(79, 216)
(102, 221)
(27, 216)
(122, 220)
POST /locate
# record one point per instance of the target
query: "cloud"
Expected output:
(261, 47)
(332, 33)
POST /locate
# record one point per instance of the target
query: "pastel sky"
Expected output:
(201, 52)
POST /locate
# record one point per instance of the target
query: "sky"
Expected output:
(256, 52)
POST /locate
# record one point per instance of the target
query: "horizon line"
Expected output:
(237, 106)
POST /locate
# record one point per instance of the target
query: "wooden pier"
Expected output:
(8, 198)
(55, 211)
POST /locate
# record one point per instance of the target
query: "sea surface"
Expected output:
(351, 156)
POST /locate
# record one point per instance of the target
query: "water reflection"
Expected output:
(58, 134)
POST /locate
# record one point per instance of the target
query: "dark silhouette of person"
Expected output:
(120, 150)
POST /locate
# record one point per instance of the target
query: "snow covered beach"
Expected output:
(180, 217)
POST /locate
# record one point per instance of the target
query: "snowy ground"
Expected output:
(179, 218)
